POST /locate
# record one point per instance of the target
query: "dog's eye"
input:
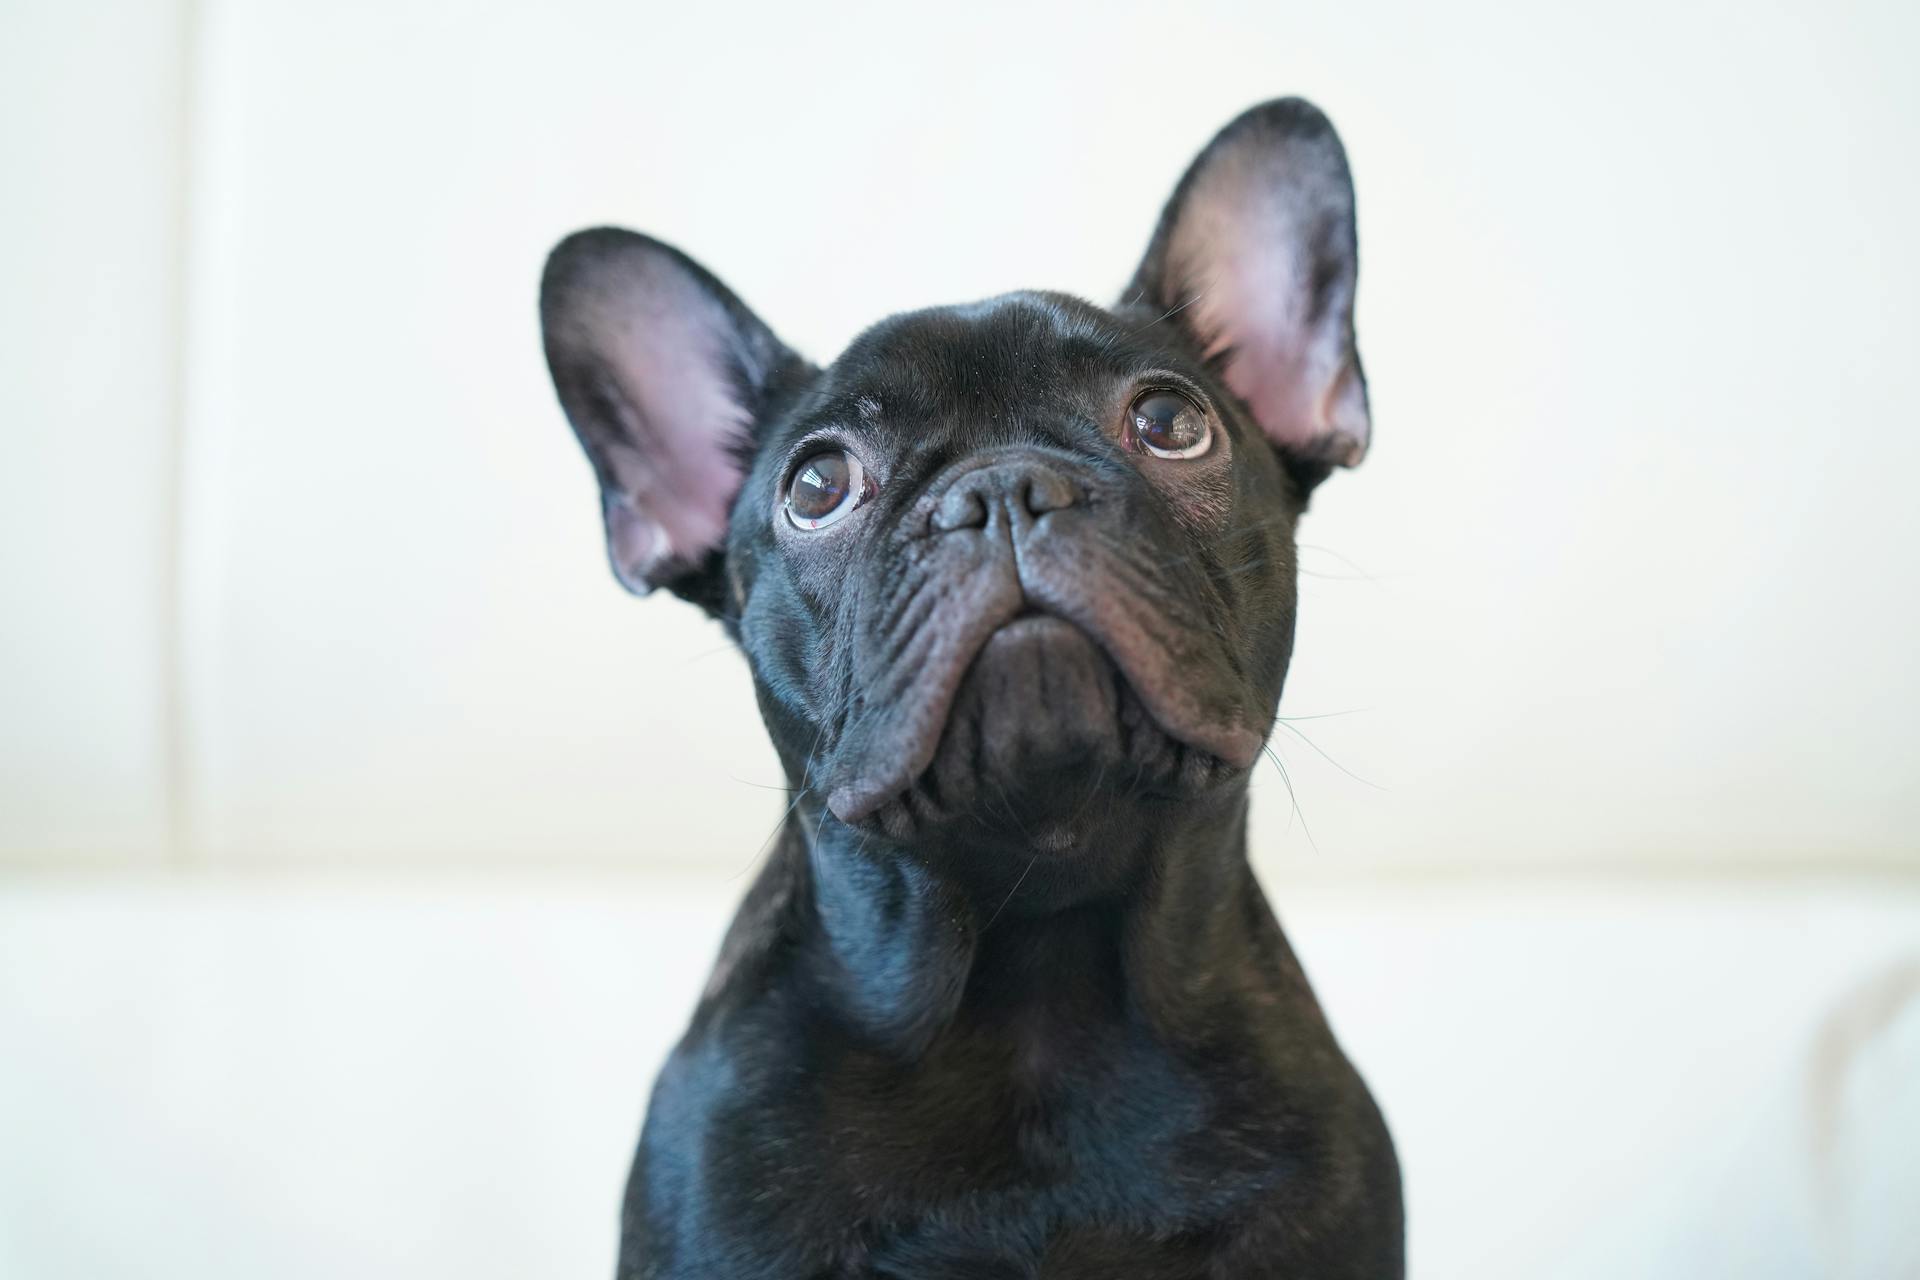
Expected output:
(826, 487)
(1168, 425)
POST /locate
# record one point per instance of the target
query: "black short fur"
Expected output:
(1006, 1000)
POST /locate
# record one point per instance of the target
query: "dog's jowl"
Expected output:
(1015, 581)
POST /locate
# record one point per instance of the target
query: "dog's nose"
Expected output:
(1022, 487)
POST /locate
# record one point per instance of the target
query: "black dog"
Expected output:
(1016, 584)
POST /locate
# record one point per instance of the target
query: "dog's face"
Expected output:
(1019, 572)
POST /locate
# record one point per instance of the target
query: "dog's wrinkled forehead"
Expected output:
(1022, 367)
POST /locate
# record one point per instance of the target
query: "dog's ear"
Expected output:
(1255, 257)
(664, 375)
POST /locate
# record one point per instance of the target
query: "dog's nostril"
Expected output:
(1029, 487)
(961, 507)
(1046, 490)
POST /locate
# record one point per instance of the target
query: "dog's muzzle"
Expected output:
(1018, 621)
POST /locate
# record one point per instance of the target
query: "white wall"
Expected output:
(92, 171)
(299, 571)
(1627, 581)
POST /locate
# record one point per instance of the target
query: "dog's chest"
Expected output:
(1039, 1167)
(1039, 1123)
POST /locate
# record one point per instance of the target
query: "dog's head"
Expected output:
(1005, 564)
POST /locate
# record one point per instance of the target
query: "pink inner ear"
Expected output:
(1240, 246)
(675, 479)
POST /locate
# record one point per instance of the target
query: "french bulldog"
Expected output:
(1016, 584)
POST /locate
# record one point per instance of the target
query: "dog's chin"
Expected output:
(1043, 730)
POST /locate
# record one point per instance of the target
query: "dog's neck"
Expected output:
(903, 953)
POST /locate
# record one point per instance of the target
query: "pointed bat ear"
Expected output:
(1255, 257)
(664, 375)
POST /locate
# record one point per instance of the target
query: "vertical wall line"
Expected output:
(177, 725)
(214, 229)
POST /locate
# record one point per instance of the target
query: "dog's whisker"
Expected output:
(1006, 806)
(1009, 898)
(704, 654)
(1329, 759)
(766, 845)
(1099, 776)
(1258, 562)
(1317, 576)
(806, 767)
(1173, 311)
(1294, 799)
(782, 787)
(1359, 574)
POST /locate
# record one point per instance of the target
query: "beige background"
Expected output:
(363, 846)
(302, 566)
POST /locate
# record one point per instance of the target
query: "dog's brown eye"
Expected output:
(825, 488)
(1168, 425)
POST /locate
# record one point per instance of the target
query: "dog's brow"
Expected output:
(868, 408)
